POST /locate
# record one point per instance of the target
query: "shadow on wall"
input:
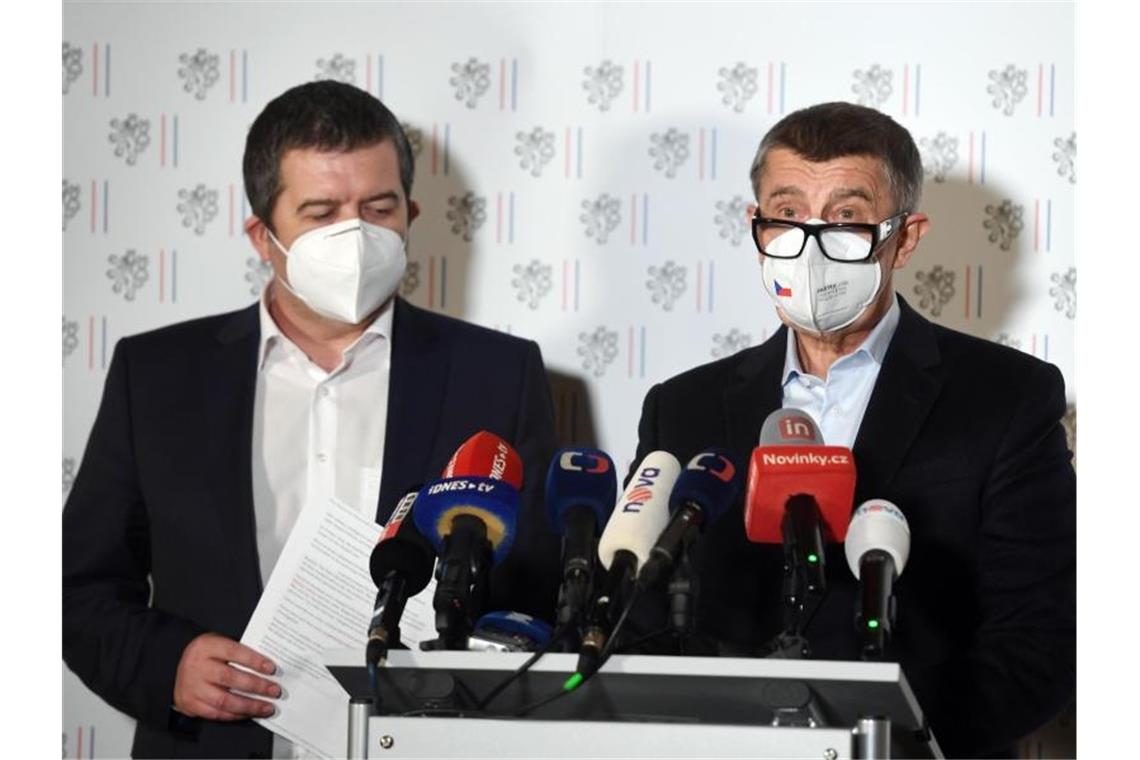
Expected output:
(442, 266)
(573, 410)
(440, 244)
(966, 272)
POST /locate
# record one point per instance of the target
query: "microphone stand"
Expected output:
(461, 592)
(804, 580)
(683, 592)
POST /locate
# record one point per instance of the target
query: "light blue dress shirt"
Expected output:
(837, 404)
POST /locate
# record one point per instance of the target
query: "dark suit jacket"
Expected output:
(964, 436)
(162, 507)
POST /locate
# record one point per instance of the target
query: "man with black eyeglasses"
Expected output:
(963, 435)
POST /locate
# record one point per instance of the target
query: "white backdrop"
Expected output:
(582, 172)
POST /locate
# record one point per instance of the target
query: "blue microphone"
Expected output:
(704, 491)
(581, 488)
(509, 632)
(471, 522)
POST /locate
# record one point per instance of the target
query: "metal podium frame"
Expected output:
(636, 706)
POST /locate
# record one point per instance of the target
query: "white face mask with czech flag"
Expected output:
(817, 294)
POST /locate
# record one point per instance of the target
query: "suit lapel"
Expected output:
(756, 393)
(909, 382)
(230, 422)
(416, 389)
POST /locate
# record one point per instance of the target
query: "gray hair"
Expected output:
(832, 130)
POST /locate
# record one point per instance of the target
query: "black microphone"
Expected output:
(702, 493)
(401, 566)
(877, 547)
(581, 488)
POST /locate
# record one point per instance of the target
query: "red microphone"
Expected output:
(792, 461)
(800, 494)
(486, 455)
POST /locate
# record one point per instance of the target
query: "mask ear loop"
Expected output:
(281, 280)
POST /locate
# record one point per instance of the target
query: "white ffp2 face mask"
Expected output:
(817, 294)
(345, 271)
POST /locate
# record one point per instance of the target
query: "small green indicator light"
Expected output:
(573, 682)
(872, 623)
(812, 559)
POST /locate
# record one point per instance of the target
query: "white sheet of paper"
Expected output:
(319, 597)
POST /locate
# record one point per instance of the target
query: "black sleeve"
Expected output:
(527, 581)
(125, 652)
(1021, 668)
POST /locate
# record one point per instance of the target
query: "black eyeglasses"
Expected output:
(843, 241)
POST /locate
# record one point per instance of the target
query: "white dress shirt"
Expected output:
(838, 403)
(316, 435)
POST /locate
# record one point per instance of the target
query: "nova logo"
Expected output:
(796, 428)
(781, 290)
(714, 464)
(639, 495)
(580, 461)
(642, 490)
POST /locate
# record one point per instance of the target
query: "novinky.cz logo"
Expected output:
(819, 460)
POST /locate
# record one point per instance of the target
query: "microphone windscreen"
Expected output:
(409, 554)
(877, 524)
(486, 455)
(402, 549)
(711, 479)
(790, 427)
(642, 511)
(402, 510)
(790, 461)
(580, 478)
(492, 501)
(516, 624)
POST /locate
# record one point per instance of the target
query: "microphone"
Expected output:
(509, 632)
(581, 488)
(877, 548)
(799, 494)
(401, 565)
(486, 455)
(703, 492)
(638, 519)
(470, 518)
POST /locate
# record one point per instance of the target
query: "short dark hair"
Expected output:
(832, 130)
(326, 115)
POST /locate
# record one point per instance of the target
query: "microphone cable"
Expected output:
(576, 679)
(559, 632)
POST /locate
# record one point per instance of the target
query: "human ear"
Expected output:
(915, 227)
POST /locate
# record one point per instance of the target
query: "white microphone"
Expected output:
(640, 515)
(877, 548)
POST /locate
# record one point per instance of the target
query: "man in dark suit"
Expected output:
(212, 434)
(963, 435)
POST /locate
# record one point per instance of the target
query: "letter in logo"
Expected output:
(580, 461)
(798, 428)
(714, 464)
(639, 495)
